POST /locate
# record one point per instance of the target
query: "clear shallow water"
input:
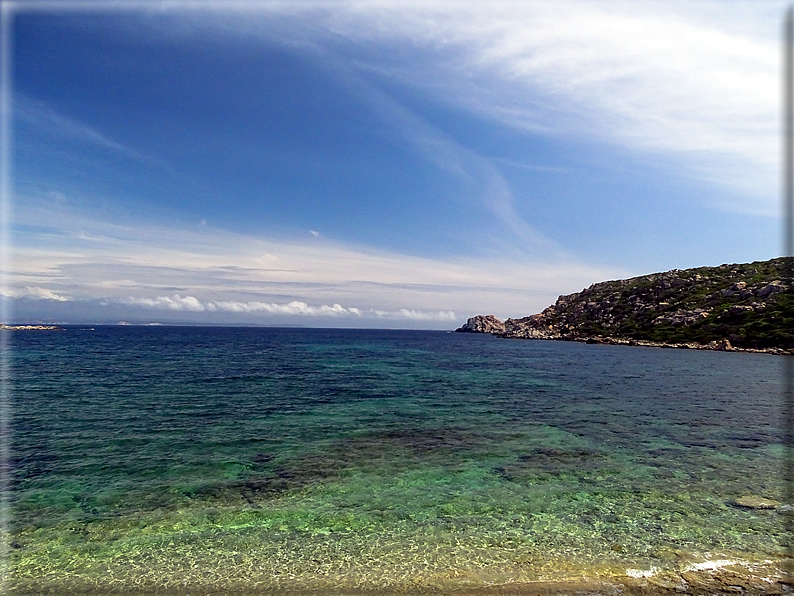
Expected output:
(217, 459)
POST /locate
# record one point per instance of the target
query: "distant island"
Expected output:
(4, 327)
(743, 307)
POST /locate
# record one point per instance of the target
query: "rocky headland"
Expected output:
(742, 307)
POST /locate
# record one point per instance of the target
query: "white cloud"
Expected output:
(415, 315)
(294, 308)
(691, 82)
(206, 270)
(175, 302)
(33, 292)
(672, 77)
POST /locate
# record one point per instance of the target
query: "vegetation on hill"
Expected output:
(751, 305)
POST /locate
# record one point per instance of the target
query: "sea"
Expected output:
(225, 460)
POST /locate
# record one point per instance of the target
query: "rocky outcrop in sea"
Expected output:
(748, 307)
(482, 324)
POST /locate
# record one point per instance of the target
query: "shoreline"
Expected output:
(710, 578)
(534, 328)
(715, 346)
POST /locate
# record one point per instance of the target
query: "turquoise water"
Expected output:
(175, 460)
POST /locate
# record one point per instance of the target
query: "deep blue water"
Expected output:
(168, 459)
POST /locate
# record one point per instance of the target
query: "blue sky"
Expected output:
(380, 163)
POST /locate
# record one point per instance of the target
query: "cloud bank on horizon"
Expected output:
(381, 163)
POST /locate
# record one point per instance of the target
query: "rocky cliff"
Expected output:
(482, 324)
(746, 306)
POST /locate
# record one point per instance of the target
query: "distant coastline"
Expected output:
(738, 307)
(4, 327)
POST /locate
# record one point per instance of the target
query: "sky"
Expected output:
(378, 163)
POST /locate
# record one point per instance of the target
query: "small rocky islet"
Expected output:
(737, 307)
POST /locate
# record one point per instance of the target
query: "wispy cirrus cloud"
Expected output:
(693, 84)
(48, 121)
(696, 83)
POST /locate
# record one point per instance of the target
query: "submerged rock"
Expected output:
(754, 502)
